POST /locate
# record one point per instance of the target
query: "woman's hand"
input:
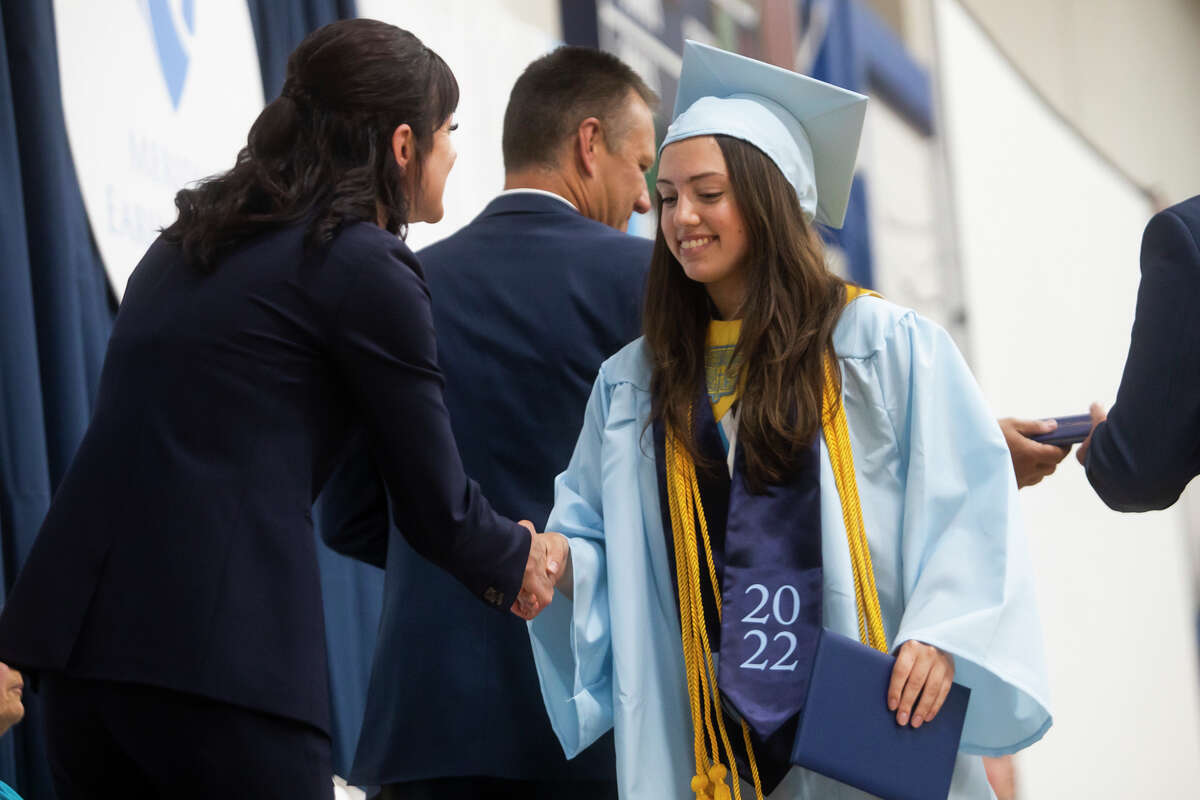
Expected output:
(922, 671)
(548, 557)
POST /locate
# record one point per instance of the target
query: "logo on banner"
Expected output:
(157, 94)
(172, 42)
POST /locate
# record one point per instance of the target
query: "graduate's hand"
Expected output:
(1098, 416)
(922, 671)
(548, 553)
(1032, 460)
(566, 578)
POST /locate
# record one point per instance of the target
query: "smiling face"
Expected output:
(701, 222)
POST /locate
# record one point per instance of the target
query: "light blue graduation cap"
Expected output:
(809, 128)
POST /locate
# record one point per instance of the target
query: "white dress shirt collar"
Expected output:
(558, 197)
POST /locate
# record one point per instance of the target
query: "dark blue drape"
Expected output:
(279, 25)
(56, 312)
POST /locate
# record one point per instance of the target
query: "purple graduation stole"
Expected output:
(771, 593)
(767, 554)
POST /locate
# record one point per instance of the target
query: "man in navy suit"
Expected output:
(528, 299)
(1142, 457)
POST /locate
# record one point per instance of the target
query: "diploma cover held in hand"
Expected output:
(847, 733)
(1070, 430)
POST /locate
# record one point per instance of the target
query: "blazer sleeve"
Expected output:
(352, 511)
(1143, 456)
(382, 341)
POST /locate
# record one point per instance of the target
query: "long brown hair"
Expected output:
(792, 305)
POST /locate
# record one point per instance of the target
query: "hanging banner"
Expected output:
(156, 94)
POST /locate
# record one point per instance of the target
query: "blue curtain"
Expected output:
(280, 25)
(56, 313)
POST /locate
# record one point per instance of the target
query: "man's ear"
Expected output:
(589, 140)
(402, 144)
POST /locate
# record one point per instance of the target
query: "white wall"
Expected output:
(911, 244)
(487, 46)
(1049, 237)
(1127, 73)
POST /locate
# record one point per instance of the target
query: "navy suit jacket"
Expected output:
(1143, 456)
(528, 300)
(178, 551)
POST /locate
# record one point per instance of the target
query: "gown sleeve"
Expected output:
(572, 643)
(966, 574)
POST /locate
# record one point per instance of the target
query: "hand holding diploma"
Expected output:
(1032, 460)
(921, 670)
(548, 557)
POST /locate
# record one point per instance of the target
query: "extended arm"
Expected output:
(1149, 448)
(384, 345)
(572, 641)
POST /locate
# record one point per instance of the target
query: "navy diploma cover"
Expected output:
(847, 732)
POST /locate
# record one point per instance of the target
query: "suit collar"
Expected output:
(527, 203)
(541, 192)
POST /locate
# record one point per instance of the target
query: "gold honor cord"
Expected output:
(837, 440)
(683, 497)
(685, 506)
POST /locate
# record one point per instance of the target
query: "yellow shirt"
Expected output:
(720, 373)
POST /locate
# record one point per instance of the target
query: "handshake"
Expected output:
(549, 563)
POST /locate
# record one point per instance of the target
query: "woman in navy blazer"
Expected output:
(170, 607)
(1148, 449)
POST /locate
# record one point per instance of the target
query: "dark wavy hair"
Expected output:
(792, 304)
(322, 150)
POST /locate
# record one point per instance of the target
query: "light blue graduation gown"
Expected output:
(947, 542)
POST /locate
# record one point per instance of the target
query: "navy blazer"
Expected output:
(528, 300)
(1148, 450)
(178, 551)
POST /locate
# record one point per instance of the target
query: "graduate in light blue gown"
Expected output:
(741, 318)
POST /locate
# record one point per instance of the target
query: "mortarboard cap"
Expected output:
(809, 128)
